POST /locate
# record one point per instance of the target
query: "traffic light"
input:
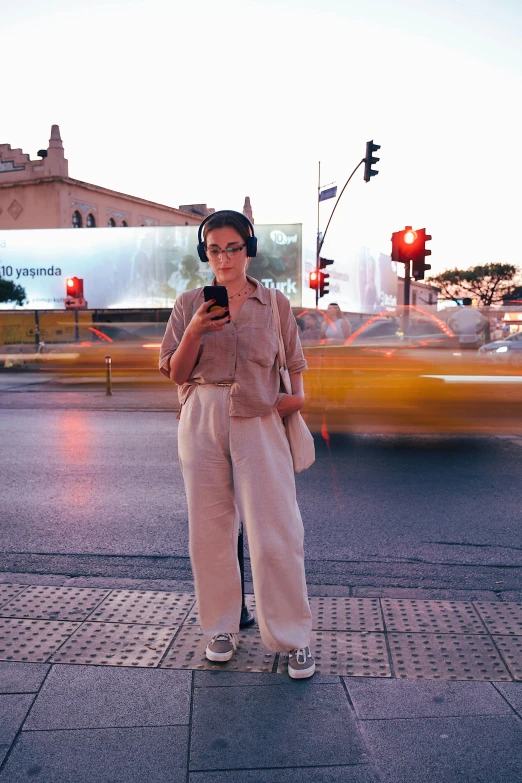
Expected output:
(74, 287)
(369, 160)
(323, 283)
(409, 245)
(419, 265)
(401, 249)
(314, 280)
(324, 262)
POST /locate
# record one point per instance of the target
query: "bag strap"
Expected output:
(275, 310)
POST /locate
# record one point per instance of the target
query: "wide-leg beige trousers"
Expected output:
(241, 468)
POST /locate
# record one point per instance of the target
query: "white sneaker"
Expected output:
(301, 663)
(221, 647)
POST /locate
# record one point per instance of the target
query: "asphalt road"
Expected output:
(99, 493)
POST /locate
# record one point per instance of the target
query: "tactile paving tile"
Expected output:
(415, 616)
(9, 591)
(501, 618)
(188, 652)
(116, 644)
(346, 614)
(144, 606)
(446, 657)
(54, 603)
(32, 640)
(350, 654)
(511, 650)
(193, 618)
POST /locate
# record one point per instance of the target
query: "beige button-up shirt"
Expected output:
(243, 354)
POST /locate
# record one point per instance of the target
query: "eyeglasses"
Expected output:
(230, 252)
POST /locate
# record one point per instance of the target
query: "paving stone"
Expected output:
(504, 618)
(346, 614)
(510, 648)
(153, 607)
(32, 640)
(131, 755)
(418, 593)
(8, 591)
(431, 616)
(512, 691)
(124, 583)
(31, 579)
(348, 653)
(339, 591)
(446, 657)
(512, 595)
(188, 652)
(446, 750)
(13, 709)
(373, 698)
(86, 697)
(251, 727)
(53, 603)
(116, 644)
(21, 677)
(360, 773)
(217, 679)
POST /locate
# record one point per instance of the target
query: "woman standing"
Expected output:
(336, 328)
(233, 450)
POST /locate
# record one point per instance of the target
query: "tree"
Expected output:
(10, 292)
(488, 283)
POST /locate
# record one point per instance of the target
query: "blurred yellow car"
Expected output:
(408, 375)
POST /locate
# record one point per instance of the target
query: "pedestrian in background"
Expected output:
(469, 325)
(311, 334)
(233, 450)
(336, 327)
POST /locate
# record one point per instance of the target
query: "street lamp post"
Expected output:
(368, 161)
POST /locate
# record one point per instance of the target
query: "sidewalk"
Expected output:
(110, 685)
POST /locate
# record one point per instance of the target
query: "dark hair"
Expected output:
(467, 301)
(226, 218)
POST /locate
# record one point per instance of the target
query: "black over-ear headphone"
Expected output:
(251, 245)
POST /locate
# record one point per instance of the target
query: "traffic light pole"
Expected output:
(318, 237)
(320, 243)
(407, 279)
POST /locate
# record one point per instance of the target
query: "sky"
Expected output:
(210, 102)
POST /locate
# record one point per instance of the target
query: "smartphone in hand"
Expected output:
(220, 294)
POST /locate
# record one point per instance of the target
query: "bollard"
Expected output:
(108, 387)
(247, 618)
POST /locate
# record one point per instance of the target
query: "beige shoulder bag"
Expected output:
(298, 434)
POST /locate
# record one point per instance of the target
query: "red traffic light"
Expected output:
(74, 287)
(409, 245)
(314, 280)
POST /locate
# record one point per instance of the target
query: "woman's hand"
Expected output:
(202, 322)
(290, 403)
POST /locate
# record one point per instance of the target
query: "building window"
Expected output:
(111, 223)
(76, 220)
(90, 222)
(124, 224)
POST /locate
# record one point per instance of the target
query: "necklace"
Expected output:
(247, 290)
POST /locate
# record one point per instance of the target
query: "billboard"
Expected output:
(361, 281)
(135, 267)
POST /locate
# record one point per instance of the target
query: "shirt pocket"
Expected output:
(263, 346)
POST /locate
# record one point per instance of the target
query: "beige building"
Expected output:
(40, 194)
(422, 295)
